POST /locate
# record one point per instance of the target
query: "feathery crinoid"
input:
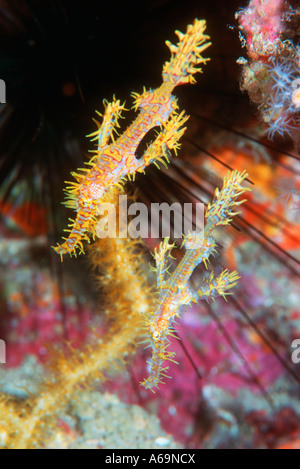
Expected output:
(173, 288)
(114, 160)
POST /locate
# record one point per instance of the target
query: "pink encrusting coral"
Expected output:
(263, 25)
(271, 75)
(35, 319)
(178, 403)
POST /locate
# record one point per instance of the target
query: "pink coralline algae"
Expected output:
(204, 347)
(263, 25)
(271, 74)
(36, 321)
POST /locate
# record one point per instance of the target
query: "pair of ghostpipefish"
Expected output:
(114, 161)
